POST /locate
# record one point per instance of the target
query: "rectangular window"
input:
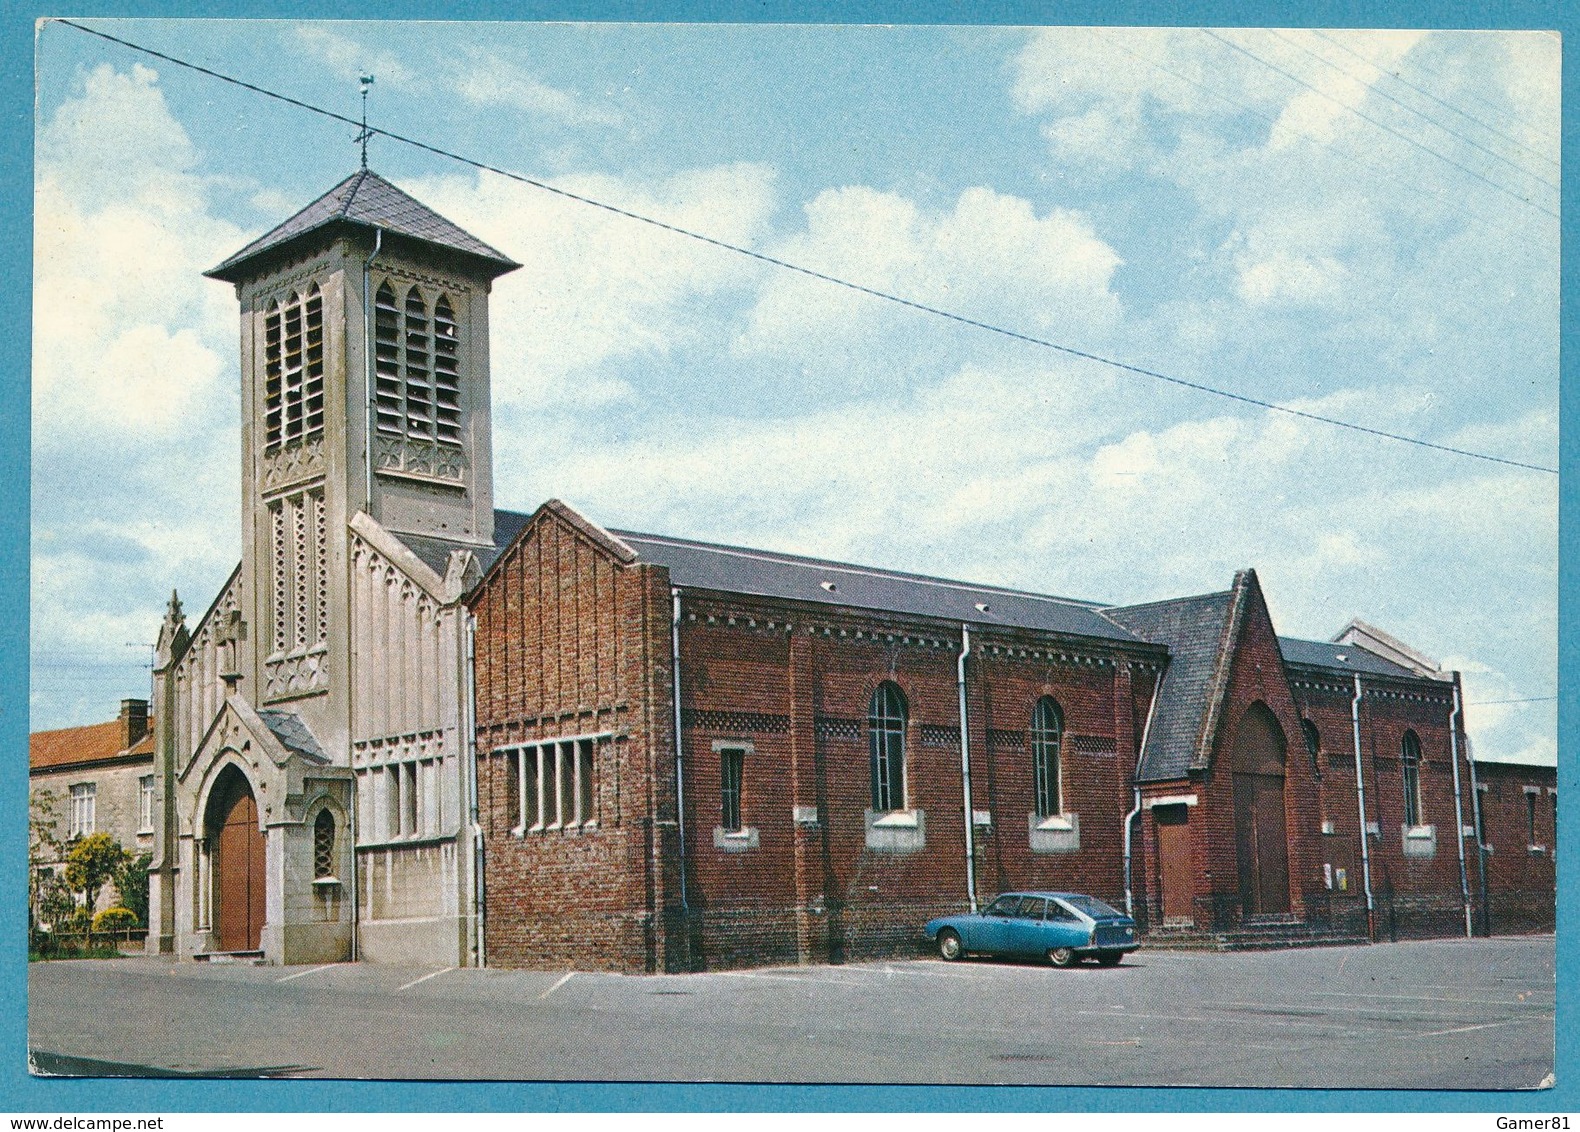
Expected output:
(1530, 819)
(84, 797)
(145, 804)
(556, 784)
(731, 764)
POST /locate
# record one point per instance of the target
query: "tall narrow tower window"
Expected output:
(446, 374)
(416, 353)
(293, 367)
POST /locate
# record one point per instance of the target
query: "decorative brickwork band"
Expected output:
(833, 727)
(940, 735)
(1006, 740)
(1092, 744)
(735, 722)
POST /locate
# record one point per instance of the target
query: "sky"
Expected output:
(1359, 225)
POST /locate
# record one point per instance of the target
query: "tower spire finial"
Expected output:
(366, 81)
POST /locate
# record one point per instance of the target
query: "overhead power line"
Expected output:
(1371, 88)
(1406, 138)
(1399, 78)
(811, 273)
(1392, 174)
(1528, 700)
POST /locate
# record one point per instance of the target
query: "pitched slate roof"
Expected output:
(1341, 658)
(366, 200)
(732, 569)
(1194, 630)
(793, 577)
(292, 733)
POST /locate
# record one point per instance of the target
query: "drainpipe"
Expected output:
(1360, 799)
(1455, 719)
(965, 771)
(680, 780)
(469, 725)
(356, 889)
(1481, 842)
(369, 347)
(1135, 781)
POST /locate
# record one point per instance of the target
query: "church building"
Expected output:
(414, 728)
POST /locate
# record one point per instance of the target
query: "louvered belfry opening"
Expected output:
(417, 369)
(294, 370)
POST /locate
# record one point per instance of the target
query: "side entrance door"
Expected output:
(1176, 864)
(239, 871)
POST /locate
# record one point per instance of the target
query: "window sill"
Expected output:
(326, 882)
(735, 840)
(897, 819)
(897, 831)
(1057, 833)
(1536, 850)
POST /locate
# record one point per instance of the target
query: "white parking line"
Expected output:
(1482, 1026)
(424, 979)
(563, 979)
(310, 971)
(1421, 998)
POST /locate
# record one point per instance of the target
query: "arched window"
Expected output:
(1410, 760)
(324, 845)
(417, 379)
(1047, 737)
(1313, 743)
(886, 732)
(293, 369)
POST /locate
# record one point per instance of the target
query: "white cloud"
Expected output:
(134, 390)
(489, 80)
(598, 287)
(990, 257)
(350, 59)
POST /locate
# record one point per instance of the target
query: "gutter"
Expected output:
(1135, 782)
(1360, 798)
(680, 779)
(1455, 721)
(965, 770)
(369, 347)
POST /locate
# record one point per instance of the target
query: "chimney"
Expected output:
(134, 721)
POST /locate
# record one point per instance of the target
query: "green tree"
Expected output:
(91, 863)
(131, 881)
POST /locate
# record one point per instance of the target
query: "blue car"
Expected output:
(1064, 926)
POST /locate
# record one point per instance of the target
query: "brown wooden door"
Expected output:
(1176, 864)
(239, 873)
(1263, 848)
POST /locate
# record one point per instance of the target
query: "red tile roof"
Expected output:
(70, 746)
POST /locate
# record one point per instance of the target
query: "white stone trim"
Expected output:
(1169, 800)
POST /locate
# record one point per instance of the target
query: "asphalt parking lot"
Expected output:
(1457, 1014)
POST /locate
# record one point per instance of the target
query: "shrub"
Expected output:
(117, 919)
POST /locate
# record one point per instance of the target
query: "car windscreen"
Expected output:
(1091, 906)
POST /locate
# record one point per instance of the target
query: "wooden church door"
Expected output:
(239, 872)
(1260, 836)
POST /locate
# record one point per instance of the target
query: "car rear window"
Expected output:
(1091, 906)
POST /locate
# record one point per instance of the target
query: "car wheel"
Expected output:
(1063, 956)
(949, 945)
(1109, 958)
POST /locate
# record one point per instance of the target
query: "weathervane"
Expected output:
(366, 81)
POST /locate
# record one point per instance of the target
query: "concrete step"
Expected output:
(253, 957)
(1262, 936)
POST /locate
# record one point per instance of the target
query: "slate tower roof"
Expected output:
(366, 201)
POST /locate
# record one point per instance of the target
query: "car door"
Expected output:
(991, 931)
(1024, 930)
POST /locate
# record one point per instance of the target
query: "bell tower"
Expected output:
(365, 388)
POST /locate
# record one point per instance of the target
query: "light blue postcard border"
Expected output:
(21, 1093)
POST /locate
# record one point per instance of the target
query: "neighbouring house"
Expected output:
(99, 779)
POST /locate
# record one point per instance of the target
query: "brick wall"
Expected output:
(571, 641)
